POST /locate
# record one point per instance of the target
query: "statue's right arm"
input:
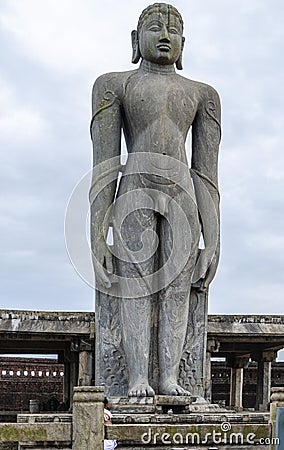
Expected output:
(106, 138)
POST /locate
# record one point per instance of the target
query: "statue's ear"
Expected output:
(179, 61)
(135, 47)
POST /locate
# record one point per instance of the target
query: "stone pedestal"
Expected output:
(200, 430)
(161, 404)
(88, 418)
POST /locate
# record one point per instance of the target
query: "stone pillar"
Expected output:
(236, 387)
(277, 401)
(85, 372)
(66, 388)
(74, 358)
(88, 418)
(237, 377)
(212, 347)
(264, 380)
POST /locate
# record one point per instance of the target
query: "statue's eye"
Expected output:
(155, 28)
(173, 31)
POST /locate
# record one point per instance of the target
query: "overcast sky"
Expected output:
(51, 53)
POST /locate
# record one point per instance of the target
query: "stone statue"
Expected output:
(158, 209)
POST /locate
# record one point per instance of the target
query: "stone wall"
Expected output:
(28, 379)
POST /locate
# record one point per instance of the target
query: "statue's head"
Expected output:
(158, 37)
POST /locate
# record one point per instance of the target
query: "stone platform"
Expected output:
(161, 404)
(176, 423)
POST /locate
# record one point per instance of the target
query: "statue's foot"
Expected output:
(141, 389)
(171, 388)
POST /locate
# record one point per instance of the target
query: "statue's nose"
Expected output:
(164, 37)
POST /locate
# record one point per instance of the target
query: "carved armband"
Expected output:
(210, 109)
(108, 100)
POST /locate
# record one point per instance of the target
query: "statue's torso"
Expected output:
(158, 112)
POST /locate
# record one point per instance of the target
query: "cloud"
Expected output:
(67, 36)
(16, 121)
(51, 31)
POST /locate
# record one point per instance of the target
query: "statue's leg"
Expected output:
(135, 313)
(135, 318)
(174, 306)
(174, 298)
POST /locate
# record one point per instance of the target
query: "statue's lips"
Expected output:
(164, 47)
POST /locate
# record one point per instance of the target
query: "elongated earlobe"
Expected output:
(135, 47)
(179, 61)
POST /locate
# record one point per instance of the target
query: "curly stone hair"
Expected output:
(159, 7)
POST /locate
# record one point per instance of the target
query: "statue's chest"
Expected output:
(154, 98)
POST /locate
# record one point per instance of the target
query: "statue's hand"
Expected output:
(202, 265)
(103, 260)
(212, 267)
(205, 268)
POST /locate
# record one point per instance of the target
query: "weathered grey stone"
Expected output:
(44, 418)
(151, 299)
(40, 432)
(45, 322)
(277, 395)
(191, 417)
(263, 391)
(85, 368)
(186, 435)
(88, 418)
(237, 365)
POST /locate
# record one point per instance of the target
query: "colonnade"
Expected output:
(263, 358)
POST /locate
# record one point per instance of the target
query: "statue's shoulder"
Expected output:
(112, 81)
(202, 90)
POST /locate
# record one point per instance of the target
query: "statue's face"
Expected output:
(160, 38)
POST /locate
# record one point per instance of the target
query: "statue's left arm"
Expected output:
(206, 136)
